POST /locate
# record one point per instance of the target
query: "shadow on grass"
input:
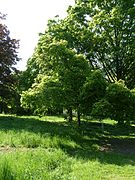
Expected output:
(91, 143)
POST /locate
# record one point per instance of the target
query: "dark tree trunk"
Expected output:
(78, 117)
(70, 114)
(119, 69)
(0, 107)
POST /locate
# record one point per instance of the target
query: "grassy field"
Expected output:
(49, 148)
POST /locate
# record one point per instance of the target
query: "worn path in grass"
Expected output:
(123, 146)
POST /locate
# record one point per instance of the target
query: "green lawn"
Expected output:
(50, 148)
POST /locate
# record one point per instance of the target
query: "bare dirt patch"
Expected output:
(123, 146)
(9, 149)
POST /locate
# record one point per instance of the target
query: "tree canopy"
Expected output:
(8, 58)
(79, 55)
(105, 33)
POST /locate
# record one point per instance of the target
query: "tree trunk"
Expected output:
(70, 114)
(78, 117)
(102, 126)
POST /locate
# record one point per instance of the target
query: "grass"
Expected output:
(50, 148)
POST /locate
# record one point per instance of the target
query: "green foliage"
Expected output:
(104, 32)
(94, 35)
(61, 85)
(118, 104)
(8, 58)
(121, 98)
(101, 109)
(26, 78)
(93, 90)
(43, 96)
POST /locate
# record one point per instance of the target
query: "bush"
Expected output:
(118, 104)
(101, 109)
(122, 104)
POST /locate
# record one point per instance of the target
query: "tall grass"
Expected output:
(49, 148)
(35, 164)
(56, 164)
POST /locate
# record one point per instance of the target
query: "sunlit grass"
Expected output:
(56, 164)
(34, 164)
(51, 148)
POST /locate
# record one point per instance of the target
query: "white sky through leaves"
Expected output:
(27, 18)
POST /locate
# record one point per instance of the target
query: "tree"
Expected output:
(95, 35)
(26, 78)
(68, 72)
(8, 58)
(118, 104)
(105, 32)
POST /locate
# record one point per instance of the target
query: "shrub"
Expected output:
(118, 104)
(101, 109)
(120, 98)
